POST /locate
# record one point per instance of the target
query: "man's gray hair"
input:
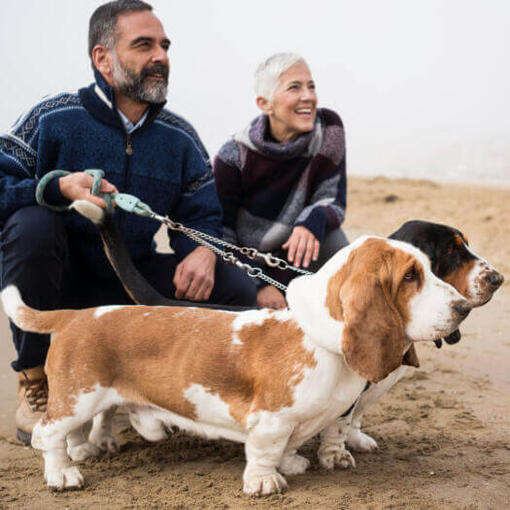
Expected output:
(103, 21)
(267, 75)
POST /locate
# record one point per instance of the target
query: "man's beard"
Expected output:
(136, 86)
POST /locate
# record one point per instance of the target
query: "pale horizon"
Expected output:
(422, 88)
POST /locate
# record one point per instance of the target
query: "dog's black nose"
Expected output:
(496, 279)
(453, 338)
(462, 307)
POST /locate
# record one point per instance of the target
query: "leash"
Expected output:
(132, 204)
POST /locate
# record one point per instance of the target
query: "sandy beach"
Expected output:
(443, 432)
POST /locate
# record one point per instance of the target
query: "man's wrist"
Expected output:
(205, 250)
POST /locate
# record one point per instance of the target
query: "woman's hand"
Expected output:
(271, 297)
(302, 245)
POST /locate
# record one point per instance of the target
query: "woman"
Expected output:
(281, 180)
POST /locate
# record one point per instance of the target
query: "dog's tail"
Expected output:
(29, 319)
(136, 286)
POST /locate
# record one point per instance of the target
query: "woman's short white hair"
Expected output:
(267, 75)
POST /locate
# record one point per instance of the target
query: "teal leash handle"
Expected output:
(39, 191)
(96, 187)
(95, 190)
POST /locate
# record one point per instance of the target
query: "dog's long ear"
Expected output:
(373, 338)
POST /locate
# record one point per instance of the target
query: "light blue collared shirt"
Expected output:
(128, 125)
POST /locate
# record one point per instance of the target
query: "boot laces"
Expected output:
(36, 394)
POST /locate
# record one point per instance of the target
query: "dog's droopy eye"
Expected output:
(410, 275)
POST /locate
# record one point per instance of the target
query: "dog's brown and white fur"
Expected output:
(451, 259)
(270, 379)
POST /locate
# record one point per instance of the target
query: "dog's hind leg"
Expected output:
(101, 433)
(65, 416)
(50, 436)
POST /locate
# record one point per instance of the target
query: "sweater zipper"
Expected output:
(129, 152)
(129, 147)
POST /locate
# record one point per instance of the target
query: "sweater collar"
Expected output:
(257, 137)
(104, 91)
(99, 100)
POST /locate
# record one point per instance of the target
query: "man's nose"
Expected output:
(160, 55)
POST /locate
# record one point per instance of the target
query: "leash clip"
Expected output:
(132, 204)
(273, 261)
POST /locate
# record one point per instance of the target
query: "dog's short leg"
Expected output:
(264, 448)
(292, 463)
(357, 440)
(50, 436)
(78, 448)
(101, 434)
(332, 452)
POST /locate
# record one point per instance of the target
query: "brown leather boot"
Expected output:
(32, 400)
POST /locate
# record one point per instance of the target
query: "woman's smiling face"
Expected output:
(294, 106)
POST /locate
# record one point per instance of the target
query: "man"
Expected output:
(117, 124)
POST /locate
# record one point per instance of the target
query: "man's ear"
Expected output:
(102, 60)
(265, 105)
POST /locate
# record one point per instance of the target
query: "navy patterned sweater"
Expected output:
(163, 163)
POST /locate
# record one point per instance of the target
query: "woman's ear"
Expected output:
(373, 338)
(265, 105)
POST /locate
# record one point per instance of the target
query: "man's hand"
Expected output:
(301, 245)
(77, 186)
(194, 276)
(271, 297)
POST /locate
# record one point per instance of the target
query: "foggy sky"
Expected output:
(422, 86)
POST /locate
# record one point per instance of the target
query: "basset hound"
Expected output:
(453, 261)
(271, 379)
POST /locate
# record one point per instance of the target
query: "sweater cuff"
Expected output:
(52, 194)
(316, 223)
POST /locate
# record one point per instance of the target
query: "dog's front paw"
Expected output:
(83, 451)
(263, 485)
(294, 465)
(67, 478)
(360, 442)
(105, 443)
(335, 456)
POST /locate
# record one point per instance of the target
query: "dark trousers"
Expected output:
(37, 256)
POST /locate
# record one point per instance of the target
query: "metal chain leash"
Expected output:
(251, 253)
(132, 204)
(229, 257)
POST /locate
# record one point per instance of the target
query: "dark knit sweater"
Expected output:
(166, 167)
(266, 188)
